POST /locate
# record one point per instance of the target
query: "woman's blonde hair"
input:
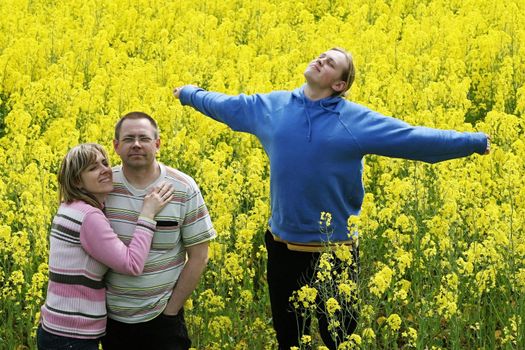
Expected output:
(74, 163)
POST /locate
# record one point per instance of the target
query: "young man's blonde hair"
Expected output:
(349, 72)
(74, 163)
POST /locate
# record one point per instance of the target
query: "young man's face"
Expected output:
(326, 71)
(137, 144)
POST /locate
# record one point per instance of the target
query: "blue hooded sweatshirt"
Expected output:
(316, 151)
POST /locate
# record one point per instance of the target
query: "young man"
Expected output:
(145, 312)
(315, 141)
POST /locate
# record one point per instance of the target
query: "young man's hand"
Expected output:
(177, 90)
(487, 151)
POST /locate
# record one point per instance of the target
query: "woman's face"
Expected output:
(97, 178)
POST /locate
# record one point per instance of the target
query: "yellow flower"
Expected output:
(306, 339)
(195, 321)
(394, 322)
(211, 302)
(304, 297)
(356, 339)
(332, 306)
(446, 303)
(381, 281)
(401, 293)
(326, 219)
(348, 290)
(353, 226)
(233, 270)
(246, 297)
(404, 260)
(411, 336)
(367, 312)
(344, 253)
(219, 325)
(188, 304)
(368, 334)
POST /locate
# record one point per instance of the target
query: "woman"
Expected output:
(83, 247)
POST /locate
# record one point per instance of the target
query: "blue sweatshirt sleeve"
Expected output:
(241, 113)
(392, 137)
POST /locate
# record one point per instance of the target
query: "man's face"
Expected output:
(326, 71)
(137, 144)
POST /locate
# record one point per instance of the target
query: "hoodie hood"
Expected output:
(329, 104)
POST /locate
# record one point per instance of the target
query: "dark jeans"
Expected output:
(288, 271)
(50, 341)
(161, 333)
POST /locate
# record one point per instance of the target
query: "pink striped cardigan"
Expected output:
(82, 248)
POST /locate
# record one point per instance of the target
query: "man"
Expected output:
(145, 312)
(315, 141)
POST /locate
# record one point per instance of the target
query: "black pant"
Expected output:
(50, 341)
(288, 271)
(161, 333)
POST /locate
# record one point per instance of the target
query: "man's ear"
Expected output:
(339, 86)
(115, 144)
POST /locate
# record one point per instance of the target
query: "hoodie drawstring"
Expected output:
(309, 134)
(328, 104)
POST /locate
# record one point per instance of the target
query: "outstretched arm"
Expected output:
(240, 112)
(392, 137)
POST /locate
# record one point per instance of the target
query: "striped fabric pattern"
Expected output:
(182, 223)
(75, 305)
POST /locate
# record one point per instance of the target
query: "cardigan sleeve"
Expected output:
(100, 241)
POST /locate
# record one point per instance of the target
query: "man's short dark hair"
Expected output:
(136, 115)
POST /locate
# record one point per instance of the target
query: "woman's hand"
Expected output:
(157, 199)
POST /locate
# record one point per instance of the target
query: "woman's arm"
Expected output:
(102, 243)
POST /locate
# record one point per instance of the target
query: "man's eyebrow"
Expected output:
(133, 135)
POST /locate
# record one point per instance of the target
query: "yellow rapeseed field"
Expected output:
(442, 246)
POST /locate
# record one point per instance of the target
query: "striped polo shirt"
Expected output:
(181, 223)
(82, 245)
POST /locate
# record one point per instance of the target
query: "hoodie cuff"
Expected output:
(186, 93)
(481, 141)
